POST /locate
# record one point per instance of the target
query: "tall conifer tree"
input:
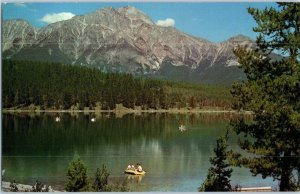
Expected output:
(218, 177)
(77, 176)
(272, 93)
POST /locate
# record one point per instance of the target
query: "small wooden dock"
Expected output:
(254, 189)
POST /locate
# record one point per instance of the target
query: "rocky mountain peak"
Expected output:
(240, 37)
(240, 40)
(15, 26)
(134, 14)
(16, 21)
(16, 34)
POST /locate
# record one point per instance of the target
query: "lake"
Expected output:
(34, 146)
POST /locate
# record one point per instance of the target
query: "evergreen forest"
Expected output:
(57, 86)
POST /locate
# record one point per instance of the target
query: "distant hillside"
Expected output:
(31, 85)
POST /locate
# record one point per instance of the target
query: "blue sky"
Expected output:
(215, 22)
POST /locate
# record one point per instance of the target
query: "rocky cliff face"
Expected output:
(122, 40)
(17, 34)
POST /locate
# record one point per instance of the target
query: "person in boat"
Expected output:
(128, 167)
(132, 167)
(139, 168)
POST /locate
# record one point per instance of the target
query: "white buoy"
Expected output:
(57, 119)
(93, 119)
(182, 128)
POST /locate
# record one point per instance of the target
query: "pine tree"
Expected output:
(77, 176)
(218, 177)
(272, 93)
(101, 179)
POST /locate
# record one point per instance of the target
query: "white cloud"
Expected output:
(56, 17)
(166, 23)
(20, 5)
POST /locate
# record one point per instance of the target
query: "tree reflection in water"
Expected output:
(37, 146)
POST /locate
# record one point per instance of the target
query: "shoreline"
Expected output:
(127, 111)
(5, 187)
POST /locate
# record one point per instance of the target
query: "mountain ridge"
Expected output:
(124, 40)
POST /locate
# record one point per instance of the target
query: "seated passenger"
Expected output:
(128, 167)
(139, 168)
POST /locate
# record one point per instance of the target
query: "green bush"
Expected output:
(101, 179)
(77, 177)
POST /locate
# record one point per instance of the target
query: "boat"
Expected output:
(134, 172)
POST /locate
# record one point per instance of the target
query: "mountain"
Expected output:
(16, 35)
(125, 40)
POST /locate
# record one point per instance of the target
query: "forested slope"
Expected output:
(58, 86)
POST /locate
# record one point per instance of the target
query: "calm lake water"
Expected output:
(37, 147)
